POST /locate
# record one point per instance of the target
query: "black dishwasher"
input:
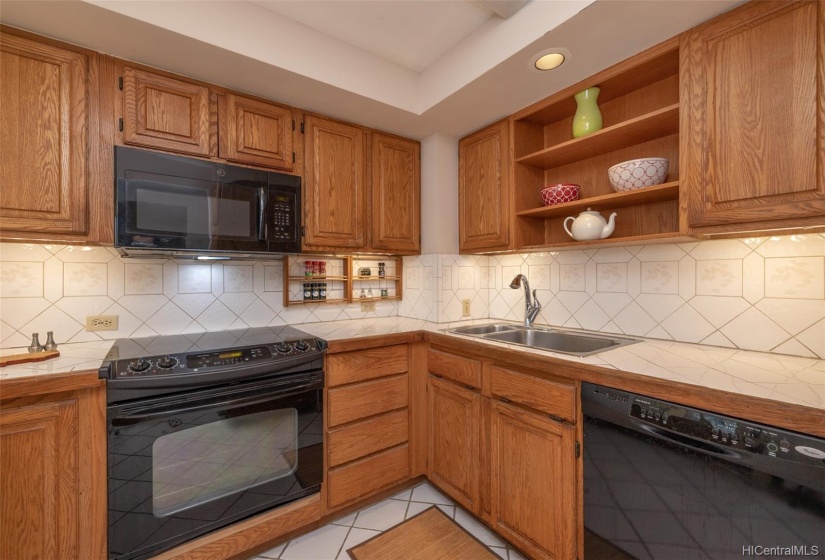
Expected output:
(664, 481)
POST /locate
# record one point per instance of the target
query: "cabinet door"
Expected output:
(44, 119)
(454, 462)
(752, 117)
(533, 482)
(165, 113)
(39, 482)
(484, 189)
(396, 194)
(257, 133)
(334, 184)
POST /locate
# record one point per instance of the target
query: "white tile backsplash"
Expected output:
(764, 294)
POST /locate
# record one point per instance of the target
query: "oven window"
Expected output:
(210, 461)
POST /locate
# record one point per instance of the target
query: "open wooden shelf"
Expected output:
(393, 278)
(347, 263)
(647, 195)
(309, 301)
(656, 124)
(317, 278)
(670, 236)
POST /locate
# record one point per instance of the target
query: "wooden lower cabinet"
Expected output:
(454, 459)
(532, 473)
(53, 476)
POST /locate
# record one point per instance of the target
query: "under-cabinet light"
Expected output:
(549, 59)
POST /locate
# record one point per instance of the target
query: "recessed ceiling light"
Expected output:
(549, 59)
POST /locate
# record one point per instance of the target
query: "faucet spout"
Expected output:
(531, 305)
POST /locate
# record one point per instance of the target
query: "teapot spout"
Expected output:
(611, 225)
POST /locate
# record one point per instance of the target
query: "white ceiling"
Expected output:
(405, 66)
(412, 33)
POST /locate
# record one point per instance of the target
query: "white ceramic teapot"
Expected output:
(590, 225)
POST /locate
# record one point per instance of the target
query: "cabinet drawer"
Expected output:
(359, 479)
(549, 397)
(363, 400)
(461, 370)
(367, 437)
(366, 364)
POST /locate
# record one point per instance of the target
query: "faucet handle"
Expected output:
(536, 302)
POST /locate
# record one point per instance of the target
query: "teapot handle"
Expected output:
(566, 228)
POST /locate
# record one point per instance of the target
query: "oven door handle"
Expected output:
(128, 419)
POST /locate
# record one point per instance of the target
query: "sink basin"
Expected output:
(482, 329)
(552, 340)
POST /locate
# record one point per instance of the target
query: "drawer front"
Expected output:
(351, 367)
(354, 402)
(361, 478)
(545, 396)
(461, 370)
(370, 436)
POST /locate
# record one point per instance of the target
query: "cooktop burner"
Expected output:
(150, 366)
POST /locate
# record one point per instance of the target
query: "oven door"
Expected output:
(184, 465)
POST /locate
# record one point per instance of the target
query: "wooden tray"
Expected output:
(14, 359)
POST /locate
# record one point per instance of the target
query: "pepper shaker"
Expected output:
(36, 346)
(50, 343)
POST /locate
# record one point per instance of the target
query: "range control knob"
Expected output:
(302, 346)
(750, 442)
(282, 348)
(772, 447)
(167, 362)
(139, 365)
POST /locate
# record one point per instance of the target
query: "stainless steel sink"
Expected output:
(483, 329)
(552, 340)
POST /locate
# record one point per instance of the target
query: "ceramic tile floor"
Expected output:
(332, 541)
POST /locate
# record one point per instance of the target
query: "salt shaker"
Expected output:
(50, 343)
(35, 346)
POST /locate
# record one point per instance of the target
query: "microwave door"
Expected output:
(235, 218)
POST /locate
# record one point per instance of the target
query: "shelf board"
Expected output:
(672, 236)
(647, 195)
(375, 278)
(309, 301)
(656, 124)
(367, 299)
(314, 278)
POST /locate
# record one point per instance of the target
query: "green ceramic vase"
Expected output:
(588, 118)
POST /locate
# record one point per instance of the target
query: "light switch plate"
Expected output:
(367, 306)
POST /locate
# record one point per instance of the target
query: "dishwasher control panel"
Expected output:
(724, 433)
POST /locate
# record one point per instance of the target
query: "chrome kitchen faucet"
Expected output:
(531, 305)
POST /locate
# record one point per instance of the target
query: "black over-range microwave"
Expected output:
(185, 207)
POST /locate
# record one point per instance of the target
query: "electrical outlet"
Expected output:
(465, 307)
(367, 306)
(101, 322)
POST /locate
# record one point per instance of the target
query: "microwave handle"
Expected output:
(261, 214)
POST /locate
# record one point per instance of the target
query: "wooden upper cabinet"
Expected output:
(334, 184)
(256, 133)
(165, 113)
(454, 462)
(533, 476)
(753, 118)
(484, 189)
(396, 194)
(44, 137)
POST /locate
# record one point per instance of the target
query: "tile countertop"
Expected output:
(788, 379)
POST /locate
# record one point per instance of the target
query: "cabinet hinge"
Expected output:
(293, 157)
(120, 83)
(578, 450)
(120, 125)
(302, 128)
(303, 231)
(293, 124)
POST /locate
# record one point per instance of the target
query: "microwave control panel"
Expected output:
(283, 221)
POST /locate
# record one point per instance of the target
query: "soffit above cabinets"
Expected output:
(409, 67)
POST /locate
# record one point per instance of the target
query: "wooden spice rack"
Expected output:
(344, 284)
